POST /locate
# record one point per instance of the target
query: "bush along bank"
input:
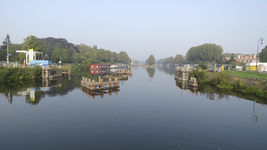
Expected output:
(20, 74)
(224, 81)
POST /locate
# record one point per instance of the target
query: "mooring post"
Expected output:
(89, 80)
(99, 79)
(116, 79)
(110, 84)
(86, 80)
(93, 82)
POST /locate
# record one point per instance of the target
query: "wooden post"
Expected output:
(93, 82)
(99, 79)
(85, 79)
(69, 72)
(89, 80)
(116, 79)
(109, 82)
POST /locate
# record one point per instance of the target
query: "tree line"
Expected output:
(56, 49)
(206, 53)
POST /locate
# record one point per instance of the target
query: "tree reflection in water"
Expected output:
(151, 72)
(214, 93)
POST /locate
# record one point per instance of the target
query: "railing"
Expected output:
(10, 64)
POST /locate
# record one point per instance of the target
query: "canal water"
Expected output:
(150, 110)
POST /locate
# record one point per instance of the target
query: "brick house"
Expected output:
(246, 58)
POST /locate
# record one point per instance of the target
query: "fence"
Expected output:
(10, 64)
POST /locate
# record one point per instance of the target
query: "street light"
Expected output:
(261, 39)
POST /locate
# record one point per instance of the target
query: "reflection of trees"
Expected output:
(38, 96)
(12, 89)
(69, 84)
(151, 72)
(52, 87)
(213, 92)
(170, 72)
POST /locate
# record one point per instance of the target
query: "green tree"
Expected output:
(123, 57)
(55, 57)
(102, 57)
(178, 59)
(151, 60)
(71, 52)
(12, 50)
(31, 42)
(114, 56)
(232, 59)
(95, 47)
(94, 59)
(204, 52)
(263, 55)
(166, 60)
(3, 49)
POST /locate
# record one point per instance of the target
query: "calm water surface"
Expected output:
(150, 111)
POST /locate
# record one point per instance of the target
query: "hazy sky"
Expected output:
(140, 27)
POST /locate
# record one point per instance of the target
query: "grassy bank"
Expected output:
(20, 74)
(224, 80)
(246, 74)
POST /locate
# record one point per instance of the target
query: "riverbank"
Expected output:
(20, 74)
(241, 84)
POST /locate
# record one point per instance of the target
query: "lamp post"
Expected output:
(261, 39)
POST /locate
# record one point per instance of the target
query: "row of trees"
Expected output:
(179, 59)
(56, 49)
(201, 54)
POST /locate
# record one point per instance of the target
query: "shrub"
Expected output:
(199, 75)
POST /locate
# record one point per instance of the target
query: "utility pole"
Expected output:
(7, 57)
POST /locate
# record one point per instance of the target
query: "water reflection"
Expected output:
(185, 88)
(33, 91)
(96, 72)
(151, 72)
(214, 93)
(166, 70)
(100, 93)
